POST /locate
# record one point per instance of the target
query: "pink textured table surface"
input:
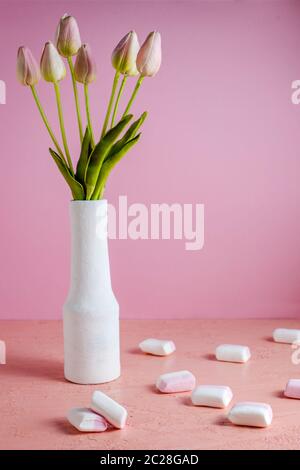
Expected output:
(34, 397)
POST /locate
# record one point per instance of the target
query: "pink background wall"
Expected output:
(222, 131)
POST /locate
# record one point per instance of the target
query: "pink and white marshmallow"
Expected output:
(157, 347)
(2, 352)
(85, 420)
(233, 353)
(112, 411)
(292, 389)
(215, 396)
(173, 382)
(251, 414)
(286, 335)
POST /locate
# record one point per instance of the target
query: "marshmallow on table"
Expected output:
(286, 335)
(157, 347)
(172, 382)
(2, 352)
(110, 409)
(292, 389)
(216, 396)
(251, 414)
(233, 353)
(85, 420)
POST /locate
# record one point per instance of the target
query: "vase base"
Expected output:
(94, 381)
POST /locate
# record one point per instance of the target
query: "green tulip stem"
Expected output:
(134, 93)
(70, 62)
(46, 122)
(62, 126)
(121, 89)
(88, 113)
(111, 100)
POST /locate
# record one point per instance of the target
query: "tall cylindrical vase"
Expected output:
(91, 312)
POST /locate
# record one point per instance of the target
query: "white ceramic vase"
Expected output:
(91, 312)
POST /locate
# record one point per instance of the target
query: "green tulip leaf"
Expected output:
(110, 163)
(76, 188)
(130, 134)
(84, 157)
(100, 152)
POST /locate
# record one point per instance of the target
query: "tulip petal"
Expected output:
(28, 71)
(125, 53)
(149, 56)
(85, 66)
(52, 66)
(68, 39)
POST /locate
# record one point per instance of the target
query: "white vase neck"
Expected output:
(90, 272)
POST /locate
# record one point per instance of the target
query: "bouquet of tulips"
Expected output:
(97, 157)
